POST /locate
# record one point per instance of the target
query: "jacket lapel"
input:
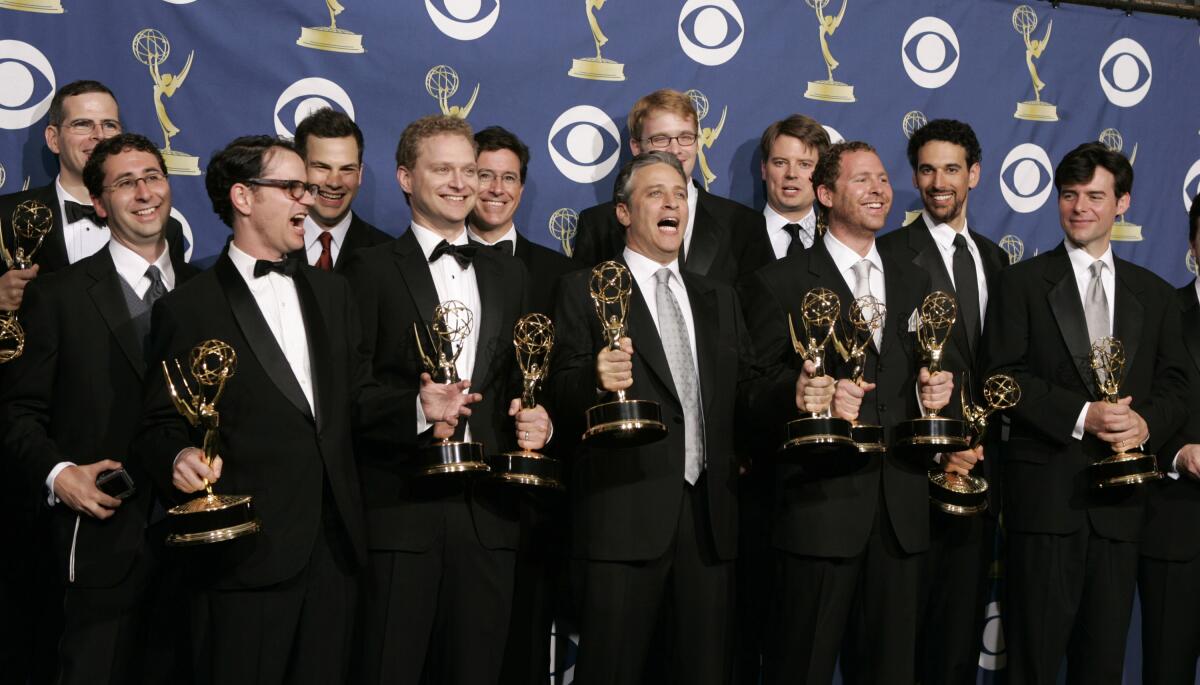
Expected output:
(1191, 321)
(929, 259)
(707, 323)
(109, 299)
(1128, 313)
(703, 249)
(1063, 298)
(489, 282)
(320, 358)
(414, 271)
(646, 343)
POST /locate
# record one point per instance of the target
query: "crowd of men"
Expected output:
(704, 557)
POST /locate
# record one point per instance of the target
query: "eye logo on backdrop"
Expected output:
(992, 655)
(910, 124)
(1125, 73)
(1025, 21)
(708, 135)
(441, 82)
(464, 19)
(1025, 178)
(935, 52)
(19, 105)
(590, 144)
(1191, 185)
(707, 30)
(152, 48)
(330, 38)
(39, 6)
(834, 136)
(317, 93)
(596, 68)
(828, 90)
(189, 240)
(563, 225)
(1013, 247)
(1122, 230)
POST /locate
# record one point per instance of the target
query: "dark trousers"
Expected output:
(539, 584)
(689, 590)
(31, 597)
(1170, 594)
(754, 572)
(440, 616)
(1068, 595)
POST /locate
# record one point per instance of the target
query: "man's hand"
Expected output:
(614, 368)
(935, 388)
(848, 397)
(190, 470)
(12, 287)
(813, 393)
(533, 425)
(962, 462)
(446, 402)
(1117, 424)
(75, 486)
(1187, 462)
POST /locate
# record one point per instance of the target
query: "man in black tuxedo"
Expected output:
(1072, 549)
(722, 240)
(86, 326)
(945, 158)
(790, 149)
(655, 527)
(277, 606)
(332, 147)
(441, 548)
(849, 534)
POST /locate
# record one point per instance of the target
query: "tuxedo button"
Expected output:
(882, 408)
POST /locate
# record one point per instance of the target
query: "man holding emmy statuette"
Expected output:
(260, 357)
(654, 483)
(86, 327)
(442, 535)
(1073, 525)
(854, 524)
(945, 157)
(722, 239)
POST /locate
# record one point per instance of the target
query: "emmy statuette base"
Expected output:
(181, 163)
(330, 39)
(1126, 232)
(810, 436)
(527, 469)
(958, 495)
(211, 518)
(595, 69)
(449, 457)
(1033, 110)
(869, 439)
(41, 6)
(932, 434)
(624, 423)
(829, 91)
(1126, 468)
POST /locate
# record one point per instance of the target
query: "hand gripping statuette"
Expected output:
(867, 315)
(817, 433)
(31, 222)
(1128, 466)
(931, 433)
(967, 495)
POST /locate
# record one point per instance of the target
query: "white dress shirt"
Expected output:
(693, 198)
(845, 259)
(312, 235)
(781, 240)
(83, 238)
(1081, 265)
(510, 234)
(643, 269)
(943, 236)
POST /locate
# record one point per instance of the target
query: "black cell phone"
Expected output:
(116, 483)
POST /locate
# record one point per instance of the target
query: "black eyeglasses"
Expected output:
(663, 141)
(295, 189)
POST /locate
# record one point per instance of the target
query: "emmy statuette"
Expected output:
(31, 222)
(817, 433)
(967, 495)
(867, 315)
(1124, 467)
(931, 433)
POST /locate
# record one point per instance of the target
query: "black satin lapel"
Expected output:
(414, 270)
(320, 358)
(646, 343)
(1191, 324)
(707, 322)
(704, 247)
(491, 288)
(1129, 314)
(258, 335)
(1068, 311)
(899, 304)
(109, 299)
(53, 253)
(822, 266)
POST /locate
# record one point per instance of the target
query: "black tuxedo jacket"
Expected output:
(359, 235)
(1037, 333)
(626, 501)
(829, 512)
(53, 253)
(395, 289)
(546, 267)
(274, 446)
(67, 398)
(728, 240)
(1172, 528)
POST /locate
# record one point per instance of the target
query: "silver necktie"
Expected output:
(862, 288)
(678, 346)
(1095, 304)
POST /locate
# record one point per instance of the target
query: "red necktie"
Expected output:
(325, 261)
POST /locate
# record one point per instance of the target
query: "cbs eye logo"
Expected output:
(1191, 185)
(28, 82)
(711, 31)
(584, 144)
(1125, 73)
(1025, 178)
(189, 240)
(834, 136)
(463, 19)
(305, 97)
(992, 655)
(930, 52)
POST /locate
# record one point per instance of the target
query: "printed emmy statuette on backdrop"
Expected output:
(1025, 21)
(828, 90)
(1013, 247)
(446, 334)
(966, 495)
(31, 222)
(817, 433)
(708, 135)
(621, 422)
(1122, 230)
(1126, 466)
(596, 68)
(39, 6)
(210, 517)
(932, 433)
(152, 48)
(533, 339)
(441, 82)
(330, 38)
(563, 225)
(866, 316)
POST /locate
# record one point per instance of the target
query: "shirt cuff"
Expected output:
(1173, 474)
(422, 423)
(1078, 432)
(52, 499)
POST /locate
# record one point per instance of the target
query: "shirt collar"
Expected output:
(313, 230)
(943, 234)
(643, 268)
(776, 221)
(428, 240)
(1081, 261)
(243, 262)
(845, 258)
(511, 235)
(64, 196)
(132, 267)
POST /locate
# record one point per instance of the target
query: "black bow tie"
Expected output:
(286, 266)
(463, 254)
(76, 212)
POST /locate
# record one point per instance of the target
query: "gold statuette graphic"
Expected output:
(1190, 263)
(446, 334)
(1122, 230)
(910, 124)
(31, 222)
(39, 6)
(330, 38)
(533, 339)
(816, 433)
(441, 82)
(1025, 21)
(210, 517)
(708, 135)
(931, 433)
(1128, 466)
(619, 422)
(564, 224)
(596, 68)
(866, 316)
(1013, 247)
(828, 90)
(967, 495)
(152, 48)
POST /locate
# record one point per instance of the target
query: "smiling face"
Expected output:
(657, 213)
(136, 216)
(944, 179)
(500, 188)
(787, 173)
(661, 122)
(334, 165)
(1087, 211)
(268, 222)
(442, 184)
(73, 147)
(861, 197)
